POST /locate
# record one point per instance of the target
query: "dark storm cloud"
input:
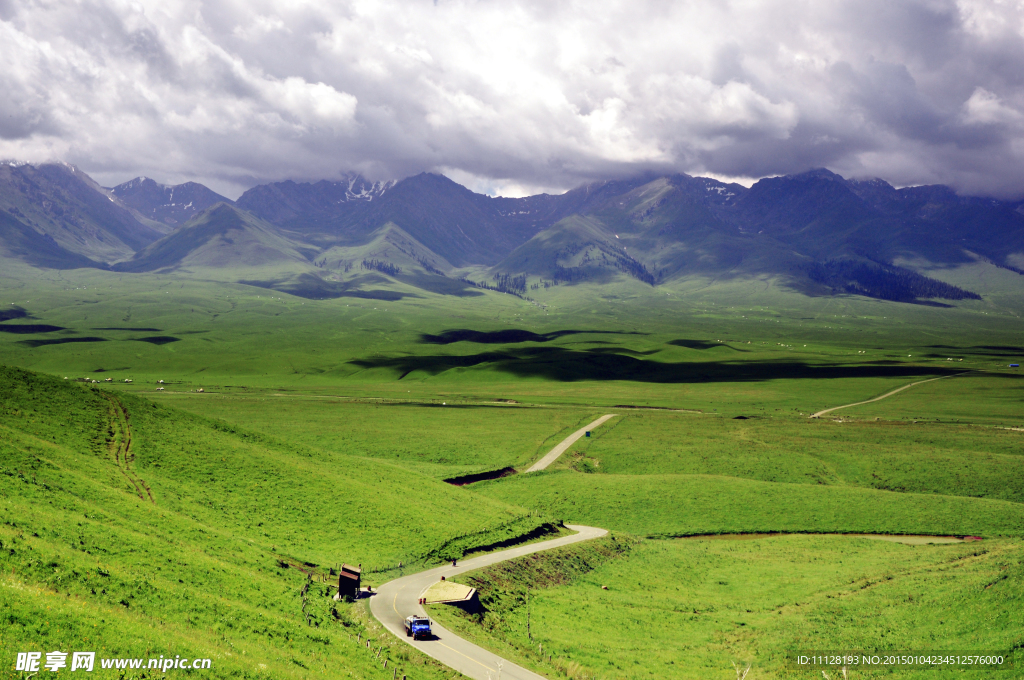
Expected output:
(512, 97)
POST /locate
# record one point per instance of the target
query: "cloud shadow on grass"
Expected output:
(440, 285)
(12, 313)
(703, 344)
(25, 328)
(977, 350)
(158, 339)
(59, 341)
(505, 337)
(314, 288)
(565, 365)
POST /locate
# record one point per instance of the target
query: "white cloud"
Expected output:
(985, 108)
(517, 94)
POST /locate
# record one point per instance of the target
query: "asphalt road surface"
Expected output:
(554, 453)
(398, 599)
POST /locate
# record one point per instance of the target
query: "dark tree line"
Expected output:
(507, 283)
(621, 261)
(883, 281)
(634, 268)
(568, 274)
(1016, 270)
(385, 267)
(430, 268)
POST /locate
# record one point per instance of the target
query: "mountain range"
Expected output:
(819, 233)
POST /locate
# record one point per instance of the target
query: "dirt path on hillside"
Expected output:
(119, 445)
(554, 453)
(887, 394)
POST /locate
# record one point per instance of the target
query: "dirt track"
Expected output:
(119, 444)
(554, 453)
(887, 394)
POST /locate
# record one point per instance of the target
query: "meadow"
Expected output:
(441, 440)
(919, 456)
(149, 522)
(201, 539)
(693, 608)
(685, 505)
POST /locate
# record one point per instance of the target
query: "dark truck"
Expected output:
(418, 628)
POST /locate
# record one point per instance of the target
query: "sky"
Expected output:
(514, 98)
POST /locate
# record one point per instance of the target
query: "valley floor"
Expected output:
(142, 521)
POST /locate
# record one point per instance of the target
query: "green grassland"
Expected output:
(976, 397)
(899, 455)
(663, 342)
(436, 439)
(326, 425)
(179, 543)
(682, 505)
(693, 608)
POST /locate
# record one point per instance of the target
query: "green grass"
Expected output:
(975, 397)
(442, 441)
(922, 457)
(226, 334)
(692, 608)
(321, 437)
(198, 571)
(680, 505)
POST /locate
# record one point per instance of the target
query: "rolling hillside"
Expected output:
(183, 535)
(223, 237)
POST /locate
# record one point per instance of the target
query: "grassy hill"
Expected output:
(388, 244)
(220, 237)
(140, 530)
(698, 608)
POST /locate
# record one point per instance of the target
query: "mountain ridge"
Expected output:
(168, 204)
(56, 203)
(821, 233)
(221, 236)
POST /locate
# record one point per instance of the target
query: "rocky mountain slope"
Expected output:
(171, 205)
(815, 232)
(56, 216)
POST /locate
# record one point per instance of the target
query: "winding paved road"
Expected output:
(554, 453)
(398, 599)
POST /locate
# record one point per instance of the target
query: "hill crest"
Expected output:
(221, 236)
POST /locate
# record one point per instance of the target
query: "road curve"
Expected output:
(887, 394)
(398, 599)
(554, 453)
